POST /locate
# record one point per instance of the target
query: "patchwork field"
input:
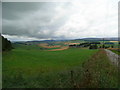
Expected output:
(33, 66)
(45, 45)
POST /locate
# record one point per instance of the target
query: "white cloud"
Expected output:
(77, 19)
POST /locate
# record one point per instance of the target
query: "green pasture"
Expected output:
(28, 66)
(36, 61)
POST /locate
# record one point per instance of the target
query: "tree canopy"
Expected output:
(6, 44)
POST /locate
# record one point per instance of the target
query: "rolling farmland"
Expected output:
(33, 67)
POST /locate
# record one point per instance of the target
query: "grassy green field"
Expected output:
(35, 61)
(30, 67)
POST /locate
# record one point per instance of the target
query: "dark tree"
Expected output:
(93, 46)
(6, 44)
(103, 46)
(112, 46)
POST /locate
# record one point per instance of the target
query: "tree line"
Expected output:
(6, 44)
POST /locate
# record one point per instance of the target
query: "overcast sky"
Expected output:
(60, 20)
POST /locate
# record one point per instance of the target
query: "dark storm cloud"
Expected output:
(31, 19)
(13, 10)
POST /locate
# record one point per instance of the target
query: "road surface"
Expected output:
(115, 58)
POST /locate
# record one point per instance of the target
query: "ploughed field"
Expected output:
(31, 67)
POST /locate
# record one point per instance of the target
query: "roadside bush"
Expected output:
(93, 47)
(112, 46)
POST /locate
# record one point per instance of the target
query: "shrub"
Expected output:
(6, 44)
(93, 46)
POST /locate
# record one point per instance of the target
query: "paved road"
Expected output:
(115, 58)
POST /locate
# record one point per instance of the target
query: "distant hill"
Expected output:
(36, 42)
(84, 39)
(99, 39)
